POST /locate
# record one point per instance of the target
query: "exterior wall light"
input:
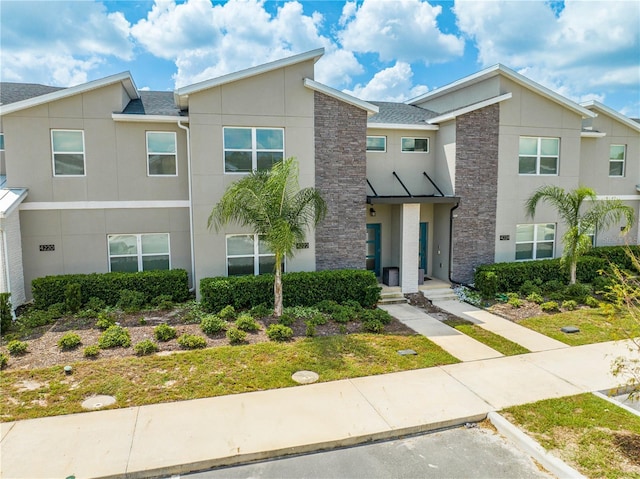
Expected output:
(372, 212)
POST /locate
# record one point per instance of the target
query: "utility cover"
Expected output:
(569, 329)
(406, 352)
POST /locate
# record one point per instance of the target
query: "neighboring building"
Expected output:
(103, 177)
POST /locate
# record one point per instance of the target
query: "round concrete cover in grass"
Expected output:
(97, 402)
(305, 377)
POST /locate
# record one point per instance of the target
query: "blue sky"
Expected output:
(375, 49)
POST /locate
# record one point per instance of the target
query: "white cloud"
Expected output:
(404, 30)
(585, 50)
(59, 42)
(391, 84)
(337, 67)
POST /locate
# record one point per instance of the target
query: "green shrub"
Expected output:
(279, 332)
(212, 324)
(377, 314)
(69, 341)
(343, 314)
(6, 318)
(373, 326)
(591, 302)
(318, 319)
(554, 285)
(192, 341)
(487, 283)
(261, 311)
(246, 323)
(236, 336)
(511, 276)
(618, 255)
(578, 291)
(91, 351)
(105, 320)
(17, 347)
(113, 337)
(35, 318)
(515, 302)
(228, 313)
(131, 301)
(107, 286)
(530, 286)
(535, 298)
(299, 289)
(145, 347)
(4, 360)
(192, 312)
(304, 312)
(350, 303)
(164, 332)
(95, 304)
(57, 310)
(549, 306)
(310, 330)
(569, 305)
(327, 306)
(163, 302)
(602, 284)
(73, 297)
(287, 319)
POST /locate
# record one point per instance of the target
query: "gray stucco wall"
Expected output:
(340, 150)
(474, 226)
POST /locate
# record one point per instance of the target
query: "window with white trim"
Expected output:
(415, 145)
(67, 147)
(248, 254)
(538, 156)
(249, 149)
(130, 253)
(617, 155)
(377, 143)
(535, 241)
(161, 153)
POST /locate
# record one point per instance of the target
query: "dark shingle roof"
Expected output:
(400, 113)
(153, 103)
(14, 92)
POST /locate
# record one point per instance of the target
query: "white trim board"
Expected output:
(101, 205)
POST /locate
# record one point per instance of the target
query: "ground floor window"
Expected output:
(130, 253)
(249, 254)
(535, 241)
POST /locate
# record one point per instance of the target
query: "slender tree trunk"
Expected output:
(572, 269)
(277, 288)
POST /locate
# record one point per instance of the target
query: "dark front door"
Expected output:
(373, 248)
(423, 246)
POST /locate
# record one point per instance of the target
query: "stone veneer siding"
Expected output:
(340, 168)
(474, 228)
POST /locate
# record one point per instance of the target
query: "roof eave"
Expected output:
(469, 108)
(338, 95)
(19, 194)
(125, 117)
(402, 126)
(612, 113)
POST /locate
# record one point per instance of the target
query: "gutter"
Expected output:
(191, 239)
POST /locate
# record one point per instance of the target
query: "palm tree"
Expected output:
(569, 204)
(271, 203)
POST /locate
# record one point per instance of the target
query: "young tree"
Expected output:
(273, 206)
(580, 221)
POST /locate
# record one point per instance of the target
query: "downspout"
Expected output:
(191, 239)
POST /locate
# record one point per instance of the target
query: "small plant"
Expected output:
(35, 318)
(327, 306)
(375, 315)
(17, 347)
(91, 351)
(228, 313)
(279, 332)
(105, 320)
(4, 360)
(530, 286)
(569, 305)
(95, 304)
(350, 303)
(113, 337)
(236, 336)
(318, 319)
(373, 326)
(73, 297)
(549, 306)
(192, 341)
(131, 301)
(535, 298)
(145, 347)
(310, 331)
(261, 311)
(246, 323)
(342, 329)
(515, 302)
(591, 302)
(578, 291)
(192, 313)
(343, 314)
(300, 311)
(287, 319)
(212, 324)
(553, 285)
(488, 285)
(6, 319)
(163, 302)
(69, 341)
(142, 321)
(164, 332)
(57, 310)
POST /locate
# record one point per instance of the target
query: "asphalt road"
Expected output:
(454, 453)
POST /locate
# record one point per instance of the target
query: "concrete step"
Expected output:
(440, 294)
(392, 297)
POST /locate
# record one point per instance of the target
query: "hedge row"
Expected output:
(616, 254)
(107, 286)
(298, 289)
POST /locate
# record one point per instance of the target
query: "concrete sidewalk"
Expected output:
(173, 438)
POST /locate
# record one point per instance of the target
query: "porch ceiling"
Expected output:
(399, 200)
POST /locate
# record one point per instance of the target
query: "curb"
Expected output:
(554, 465)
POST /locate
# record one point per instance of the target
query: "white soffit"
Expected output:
(402, 126)
(10, 199)
(338, 95)
(592, 134)
(475, 106)
(149, 118)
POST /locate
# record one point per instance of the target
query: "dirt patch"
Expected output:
(419, 301)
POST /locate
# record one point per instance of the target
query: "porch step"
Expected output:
(439, 294)
(392, 297)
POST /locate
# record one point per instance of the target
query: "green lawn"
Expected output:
(494, 341)
(594, 436)
(211, 372)
(594, 325)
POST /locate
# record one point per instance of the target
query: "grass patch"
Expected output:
(594, 436)
(211, 372)
(494, 341)
(594, 325)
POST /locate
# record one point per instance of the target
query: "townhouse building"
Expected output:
(104, 177)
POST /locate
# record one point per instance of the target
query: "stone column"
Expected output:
(410, 229)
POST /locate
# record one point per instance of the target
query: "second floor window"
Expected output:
(161, 153)
(67, 147)
(420, 145)
(538, 156)
(248, 149)
(377, 143)
(616, 160)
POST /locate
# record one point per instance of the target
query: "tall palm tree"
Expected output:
(580, 221)
(271, 203)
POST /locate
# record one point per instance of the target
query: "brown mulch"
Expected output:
(43, 350)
